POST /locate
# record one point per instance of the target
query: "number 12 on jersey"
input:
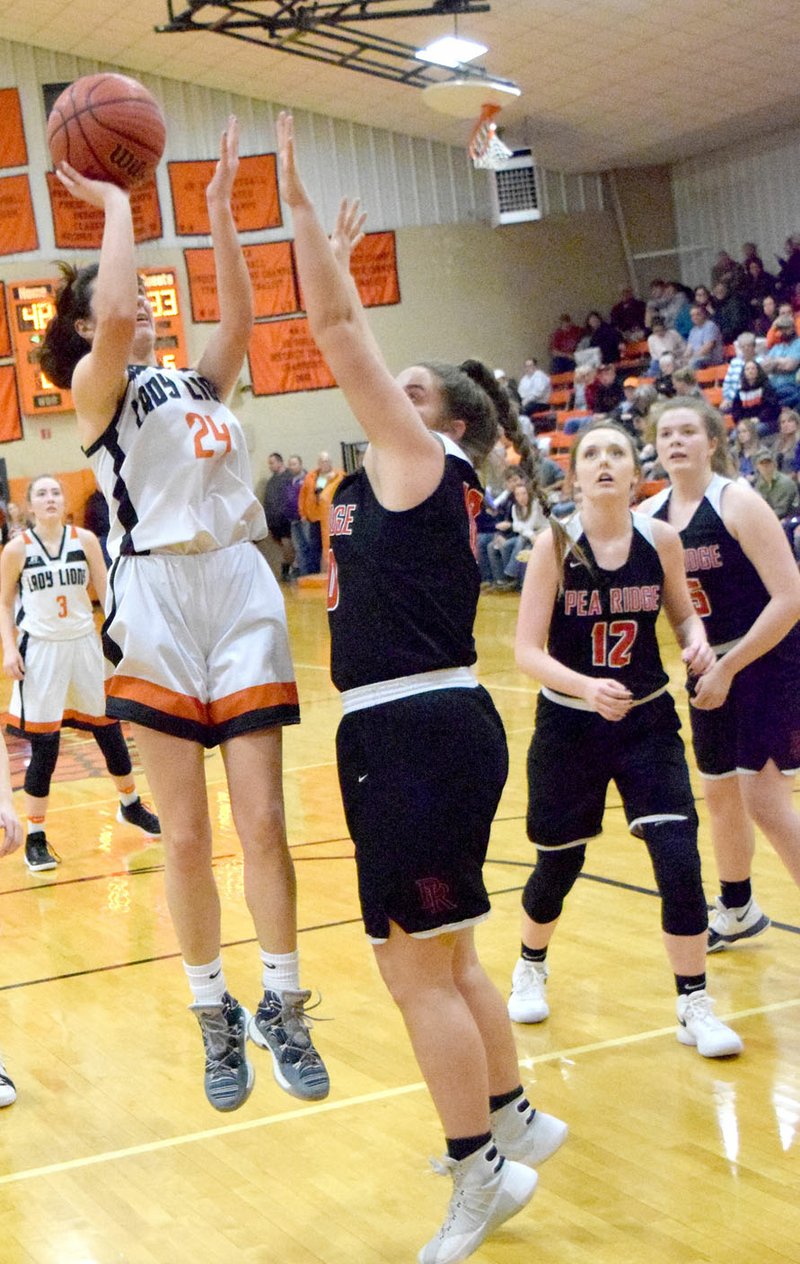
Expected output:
(612, 643)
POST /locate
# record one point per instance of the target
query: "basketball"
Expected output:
(108, 127)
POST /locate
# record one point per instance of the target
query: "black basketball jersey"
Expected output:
(604, 622)
(725, 587)
(403, 585)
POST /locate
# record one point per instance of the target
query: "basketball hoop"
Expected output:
(462, 98)
(486, 149)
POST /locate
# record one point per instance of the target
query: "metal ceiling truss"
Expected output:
(331, 33)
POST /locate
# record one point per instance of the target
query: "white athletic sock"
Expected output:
(129, 797)
(207, 982)
(281, 972)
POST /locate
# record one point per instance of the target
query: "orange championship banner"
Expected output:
(255, 201)
(284, 358)
(31, 307)
(13, 150)
(17, 224)
(374, 268)
(5, 336)
(10, 418)
(271, 276)
(78, 226)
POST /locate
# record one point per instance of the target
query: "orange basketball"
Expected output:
(108, 127)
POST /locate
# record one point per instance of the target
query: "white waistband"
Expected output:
(719, 650)
(579, 704)
(405, 687)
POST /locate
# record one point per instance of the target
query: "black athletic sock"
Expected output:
(688, 983)
(533, 954)
(460, 1148)
(736, 894)
(498, 1100)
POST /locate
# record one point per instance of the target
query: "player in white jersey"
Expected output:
(195, 633)
(52, 653)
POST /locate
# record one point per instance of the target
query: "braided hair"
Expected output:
(63, 346)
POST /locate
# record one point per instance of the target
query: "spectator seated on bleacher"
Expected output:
(760, 285)
(605, 392)
(728, 270)
(787, 443)
(744, 443)
(663, 340)
(627, 316)
(563, 342)
(756, 397)
(585, 375)
(703, 296)
(784, 309)
(744, 352)
(604, 337)
(762, 324)
(789, 273)
(685, 382)
(515, 532)
(731, 311)
(782, 361)
(704, 344)
(780, 491)
(663, 382)
(535, 389)
(624, 411)
(673, 306)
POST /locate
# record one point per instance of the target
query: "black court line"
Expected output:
(165, 956)
(347, 921)
(57, 884)
(623, 886)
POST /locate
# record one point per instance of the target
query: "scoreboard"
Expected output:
(161, 286)
(32, 306)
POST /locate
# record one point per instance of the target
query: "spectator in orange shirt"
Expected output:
(311, 512)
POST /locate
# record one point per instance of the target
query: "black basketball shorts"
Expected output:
(421, 778)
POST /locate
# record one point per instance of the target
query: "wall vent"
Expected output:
(515, 190)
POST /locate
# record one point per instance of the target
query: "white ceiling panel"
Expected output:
(604, 82)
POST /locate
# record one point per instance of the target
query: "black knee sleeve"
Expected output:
(550, 883)
(39, 773)
(676, 864)
(115, 752)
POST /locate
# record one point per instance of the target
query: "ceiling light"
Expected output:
(451, 51)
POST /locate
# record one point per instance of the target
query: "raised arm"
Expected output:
(406, 459)
(100, 377)
(221, 362)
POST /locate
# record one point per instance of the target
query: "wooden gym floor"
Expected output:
(112, 1156)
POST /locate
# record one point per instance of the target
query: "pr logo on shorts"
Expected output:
(434, 895)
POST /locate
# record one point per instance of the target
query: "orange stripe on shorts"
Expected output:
(157, 698)
(256, 698)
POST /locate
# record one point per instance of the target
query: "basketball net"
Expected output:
(485, 147)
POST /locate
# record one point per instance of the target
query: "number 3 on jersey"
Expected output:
(612, 643)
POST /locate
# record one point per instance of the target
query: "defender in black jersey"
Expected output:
(421, 749)
(746, 711)
(587, 632)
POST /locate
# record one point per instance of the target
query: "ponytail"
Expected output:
(63, 346)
